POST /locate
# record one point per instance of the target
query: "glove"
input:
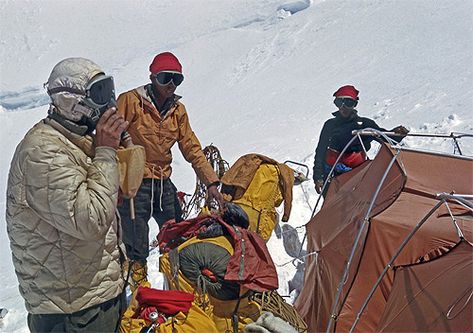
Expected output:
(342, 168)
(319, 183)
(401, 130)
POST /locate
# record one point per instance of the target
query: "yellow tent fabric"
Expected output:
(247, 313)
(195, 321)
(219, 311)
(128, 323)
(261, 198)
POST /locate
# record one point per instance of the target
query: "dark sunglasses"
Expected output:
(345, 101)
(164, 78)
(100, 92)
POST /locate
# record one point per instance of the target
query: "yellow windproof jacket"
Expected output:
(259, 184)
(158, 134)
(242, 173)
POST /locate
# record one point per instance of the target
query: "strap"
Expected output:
(65, 89)
(234, 317)
(175, 266)
(122, 255)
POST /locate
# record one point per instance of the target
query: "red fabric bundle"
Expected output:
(251, 264)
(168, 302)
(351, 160)
(172, 231)
(147, 311)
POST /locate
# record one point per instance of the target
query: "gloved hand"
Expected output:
(342, 168)
(318, 185)
(401, 130)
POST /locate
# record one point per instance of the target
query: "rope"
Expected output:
(289, 231)
(199, 198)
(202, 301)
(306, 197)
(292, 261)
(272, 302)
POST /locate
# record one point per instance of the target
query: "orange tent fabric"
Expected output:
(406, 196)
(414, 286)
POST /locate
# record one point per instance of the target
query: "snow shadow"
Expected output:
(282, 12)
(249, 22)
(24, 99)
(291, 8)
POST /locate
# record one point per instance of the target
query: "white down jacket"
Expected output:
(61, 221)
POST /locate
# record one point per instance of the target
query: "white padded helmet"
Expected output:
(67, 87)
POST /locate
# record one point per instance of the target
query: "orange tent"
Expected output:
(449, 276)
(364, 224)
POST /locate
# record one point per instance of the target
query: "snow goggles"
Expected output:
(164, 78)
(99, 96)
(100, 92)
(348, 102)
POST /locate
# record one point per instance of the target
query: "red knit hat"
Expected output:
(165, 61)
(347, 91)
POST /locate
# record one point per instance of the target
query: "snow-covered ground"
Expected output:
(260, 75)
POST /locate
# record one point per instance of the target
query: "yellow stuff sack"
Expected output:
(260, 200)
(220, 311)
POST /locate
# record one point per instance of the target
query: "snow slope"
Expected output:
(259, 76)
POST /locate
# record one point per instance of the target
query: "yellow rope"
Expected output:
(272, 302)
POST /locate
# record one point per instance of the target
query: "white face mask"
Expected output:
(70, 106)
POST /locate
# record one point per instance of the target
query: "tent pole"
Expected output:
(461, 198)
(327, 180)
(356, 135)
(366, 221)
(389, 265)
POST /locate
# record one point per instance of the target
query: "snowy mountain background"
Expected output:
(259, 77)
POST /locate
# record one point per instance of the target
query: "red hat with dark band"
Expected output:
(165, 61)
(347, 91)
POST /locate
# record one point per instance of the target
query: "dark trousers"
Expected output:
(103, 318)
(164, 207)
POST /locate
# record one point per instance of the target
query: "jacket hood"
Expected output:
(67, 84)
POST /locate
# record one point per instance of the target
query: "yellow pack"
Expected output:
(219, 311)
(261, 199)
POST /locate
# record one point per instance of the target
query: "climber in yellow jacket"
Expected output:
(157, 121)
